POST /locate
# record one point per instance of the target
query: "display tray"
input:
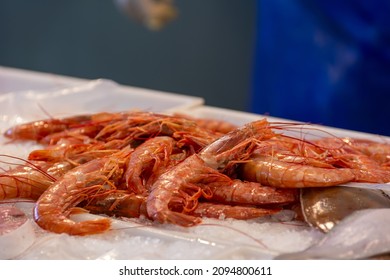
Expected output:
(277, 236)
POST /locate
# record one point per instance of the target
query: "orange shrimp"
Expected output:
(95, 177)
(147, 125)
(237, 145)
(31, 179)
(365, 168)
(37, 130)
(250, 193)
(269, 171)
(147, 162)
(75, 152)
(218, 126)
(53, 129)
(366, 158)
(380, 152)
(176, 192)
(129, 205)
(295, 150)
(177, 189)
(118, 204)
(221, 211)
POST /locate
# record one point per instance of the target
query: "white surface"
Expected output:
(139, 239)
(12, 80)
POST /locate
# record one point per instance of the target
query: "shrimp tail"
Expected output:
(91, 227)
(65, 225)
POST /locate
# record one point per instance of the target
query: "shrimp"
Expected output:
(361, 156)
(176, 189)
(236, 145)
(37, 130)
(31, 179)
(377, 151)
(130, 205)
(95, 177)
(118, 204)
(44, 130)
(76, 152)
(251, 193)
(218, 126)
(380, 152)
(269, 171)
(147, 125)
(176, 192)
(221, 211)
(147, 162)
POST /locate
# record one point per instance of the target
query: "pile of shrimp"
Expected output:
(175, 169)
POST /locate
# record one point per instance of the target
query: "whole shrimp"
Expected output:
(176, 192)
(95, 177)
(269, 171)
(37, 130)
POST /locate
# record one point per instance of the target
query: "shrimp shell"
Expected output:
(252, 193)
(170, 192)
(31, 179)
(147, 162)
(178, 190)
(221, 211)
(270, 172)
(85, 181)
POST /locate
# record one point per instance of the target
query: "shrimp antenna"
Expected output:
(37, 168)
(45, 111)
(238, 231)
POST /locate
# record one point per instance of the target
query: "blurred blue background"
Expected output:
(324, 61)
(318, 61)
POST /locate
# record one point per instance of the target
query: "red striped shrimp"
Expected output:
(95, 177)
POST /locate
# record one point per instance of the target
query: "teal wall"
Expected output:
(206, 52)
